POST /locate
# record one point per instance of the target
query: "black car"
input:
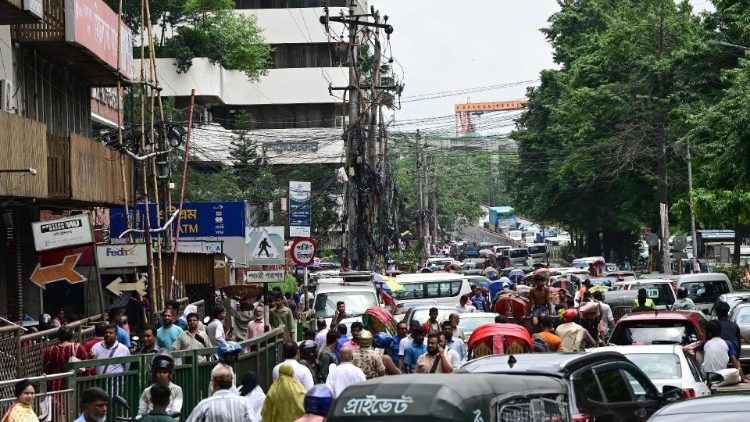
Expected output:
(603, 386)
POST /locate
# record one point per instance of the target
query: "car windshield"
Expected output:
(519, 253)
(703, 291)
(601, 282)
(742, 316)
(537, 249)
(422, 315)
(356, 303)
(660, 293)
(471, 324)
(654, 332)
(657, 366)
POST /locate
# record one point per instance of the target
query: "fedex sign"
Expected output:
(121, 256)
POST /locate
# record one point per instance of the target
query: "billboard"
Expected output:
(299, 209)
(199, 219)
(54, 234)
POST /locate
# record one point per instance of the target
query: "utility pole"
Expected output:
(361, 199)
(420, 189)
(696, 265)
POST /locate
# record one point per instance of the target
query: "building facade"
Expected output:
(53, 53)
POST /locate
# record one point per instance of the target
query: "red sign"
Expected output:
(302, 251)
(62, 271)
(94, 26)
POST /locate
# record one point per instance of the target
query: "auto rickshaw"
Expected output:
(452, 397)
(499, 339)
(514, 306)
(376, 320)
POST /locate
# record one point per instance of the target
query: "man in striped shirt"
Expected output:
(223, 405)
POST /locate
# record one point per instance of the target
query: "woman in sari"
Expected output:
(56, 357)
(21, 410)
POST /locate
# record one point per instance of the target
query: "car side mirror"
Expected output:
(670, 393)
(713, 378)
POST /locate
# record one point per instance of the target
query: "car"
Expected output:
(741, 316)
(621, 275)
(732, 299)
(661, 291)
(728, 408)
(428, 288)
(468, 322)
(603, 386)
(703, 288)
(357, 296)
(422, 313)
(659, 327)
(666, 364)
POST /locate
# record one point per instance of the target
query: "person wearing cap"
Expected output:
(573, 336)
(643, 302)
(253, 392)
(317, 404)
(161, 373)
(366, 358)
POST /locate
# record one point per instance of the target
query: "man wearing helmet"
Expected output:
(574, 337)
(366, 358)
(308, 353)
(162, 367)
(228, 353)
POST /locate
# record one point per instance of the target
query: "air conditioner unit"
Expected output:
(339, 122)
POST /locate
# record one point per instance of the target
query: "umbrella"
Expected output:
(390, 282)
(483, 283)
(544, 271)
(516, 272)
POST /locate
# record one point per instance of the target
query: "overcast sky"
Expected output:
(448, 45)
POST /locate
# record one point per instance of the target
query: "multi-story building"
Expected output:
(52, 53)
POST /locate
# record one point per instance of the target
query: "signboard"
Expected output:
(199, 219)
(94, 26)
(299, 209)
(35, 7)
(121, 256)
(199, 246)
(273, 276)
(303, 251)
(266, 245)
(64, 271)
(70, 231)
(117, 286)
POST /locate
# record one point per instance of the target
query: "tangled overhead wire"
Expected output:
(172, 133)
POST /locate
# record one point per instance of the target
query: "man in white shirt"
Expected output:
(320, 337)
(345, 374)
(215, 329)
(717, 352)
(110, 348)
(301, 372)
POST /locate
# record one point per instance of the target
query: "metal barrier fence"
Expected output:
(53, 405)
(192, 373)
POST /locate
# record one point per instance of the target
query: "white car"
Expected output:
(666, 364)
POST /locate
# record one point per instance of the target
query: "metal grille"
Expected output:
(538, 409)
(8, 345)
(50, 406)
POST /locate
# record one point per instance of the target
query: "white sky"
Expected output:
(448, 45)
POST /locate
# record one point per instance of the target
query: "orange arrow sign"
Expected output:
(62, 271)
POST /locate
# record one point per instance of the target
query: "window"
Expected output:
(410, 291)
(705, 291)
(433, 289)
(356, 303)
(641, 387)
(616, 388)
(658, 366)
(586, 387)
(547, 407)
(697, 374)
(742, 316)
(657, 332)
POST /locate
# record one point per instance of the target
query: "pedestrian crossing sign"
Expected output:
(265, 245)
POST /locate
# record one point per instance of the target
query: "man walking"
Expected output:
(257, 326)
(539, 297)
(416, 349)
(110, 348)
(282, 315)
(432, 326)
(366, 358)
(434, 360)
(344, 375)
(290, 352)
(573, 336)
(223, 405)
(453, 343)
(169, 332)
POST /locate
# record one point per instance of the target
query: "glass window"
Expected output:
(742, 316)
(697, 374)
(658, 366)
(433, 289)
(356, 303)
(640, 386)
(586, 387)
(410, 291)
(661, 332)
(615, 386)
(704, 291)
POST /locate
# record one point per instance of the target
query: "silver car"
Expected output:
(741, 316)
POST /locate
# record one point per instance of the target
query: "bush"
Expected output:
(733, 273)
(289, 285)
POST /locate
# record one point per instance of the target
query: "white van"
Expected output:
(357, 296)
(429, 289)
(537, 251)
(703, 288)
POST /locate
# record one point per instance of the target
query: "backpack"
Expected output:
(540, 346)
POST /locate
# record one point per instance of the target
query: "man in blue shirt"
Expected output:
(115, 317)
(167, 335)
(401, 331)
(343, 339)
(451, 342)
(416, 349)
(477, 299)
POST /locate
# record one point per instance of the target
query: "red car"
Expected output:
(659, 327)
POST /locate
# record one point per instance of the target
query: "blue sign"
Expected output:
(199, 219)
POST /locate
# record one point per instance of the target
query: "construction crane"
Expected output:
(464, 111)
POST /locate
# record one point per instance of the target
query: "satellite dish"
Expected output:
(652, 240)
(679, 243)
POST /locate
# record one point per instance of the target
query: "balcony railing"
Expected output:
(86, 171)
(19, 11)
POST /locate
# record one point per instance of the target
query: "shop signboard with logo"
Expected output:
(121, 256)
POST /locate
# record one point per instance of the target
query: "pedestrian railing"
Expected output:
(192, 373)
(49, 405)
